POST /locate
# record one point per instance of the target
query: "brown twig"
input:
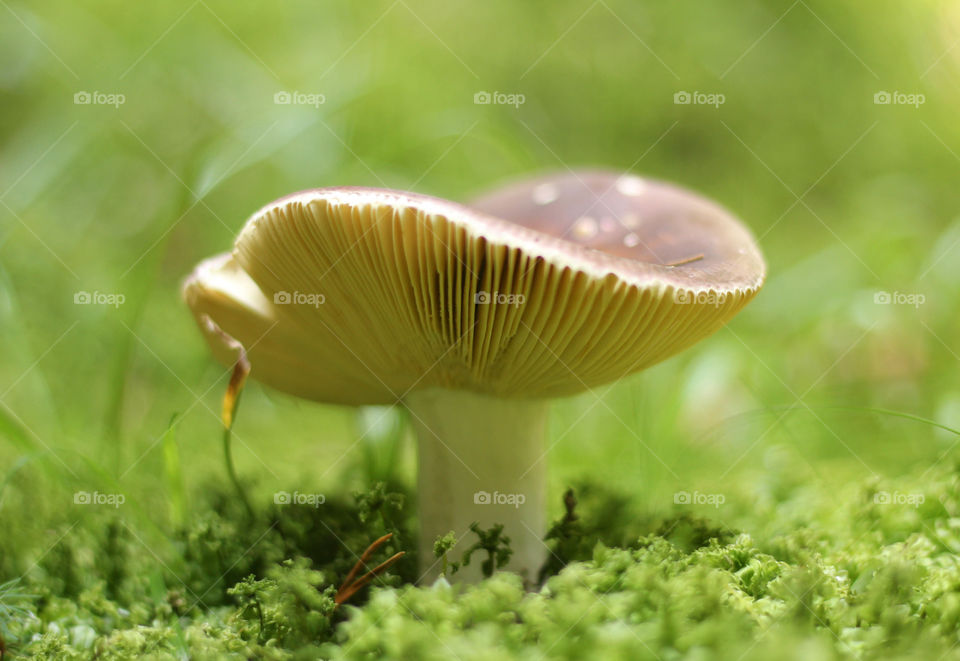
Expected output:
(350, 586)
(681, 262)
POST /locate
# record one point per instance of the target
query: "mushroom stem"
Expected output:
(481, 459)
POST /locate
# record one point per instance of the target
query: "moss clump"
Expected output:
(821, 576)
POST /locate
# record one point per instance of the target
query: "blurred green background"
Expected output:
(849, 198)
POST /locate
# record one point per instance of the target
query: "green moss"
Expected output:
(861, 580)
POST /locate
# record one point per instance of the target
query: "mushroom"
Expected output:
(475, 317)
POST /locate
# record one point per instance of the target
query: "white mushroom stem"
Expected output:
(481, 459)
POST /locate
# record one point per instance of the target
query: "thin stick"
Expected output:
(681, 262)
(367, 578)
(366, 556)
(351, 586)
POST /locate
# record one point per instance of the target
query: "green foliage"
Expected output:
(14, 605)
(441, 547)
(223, 546)
(491, 541)
(690, 532)
(173, 475)
(378, 503)
(826, 576)
(566, 539)
(292, 608)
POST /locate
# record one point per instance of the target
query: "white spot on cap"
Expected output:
(545, 194)
(585, 227)
(631, 186)
(631, 240)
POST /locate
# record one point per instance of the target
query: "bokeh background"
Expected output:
(853, 199)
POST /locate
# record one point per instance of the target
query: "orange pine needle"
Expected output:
(350, 586)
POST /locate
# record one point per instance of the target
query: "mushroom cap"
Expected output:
(546, 287)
